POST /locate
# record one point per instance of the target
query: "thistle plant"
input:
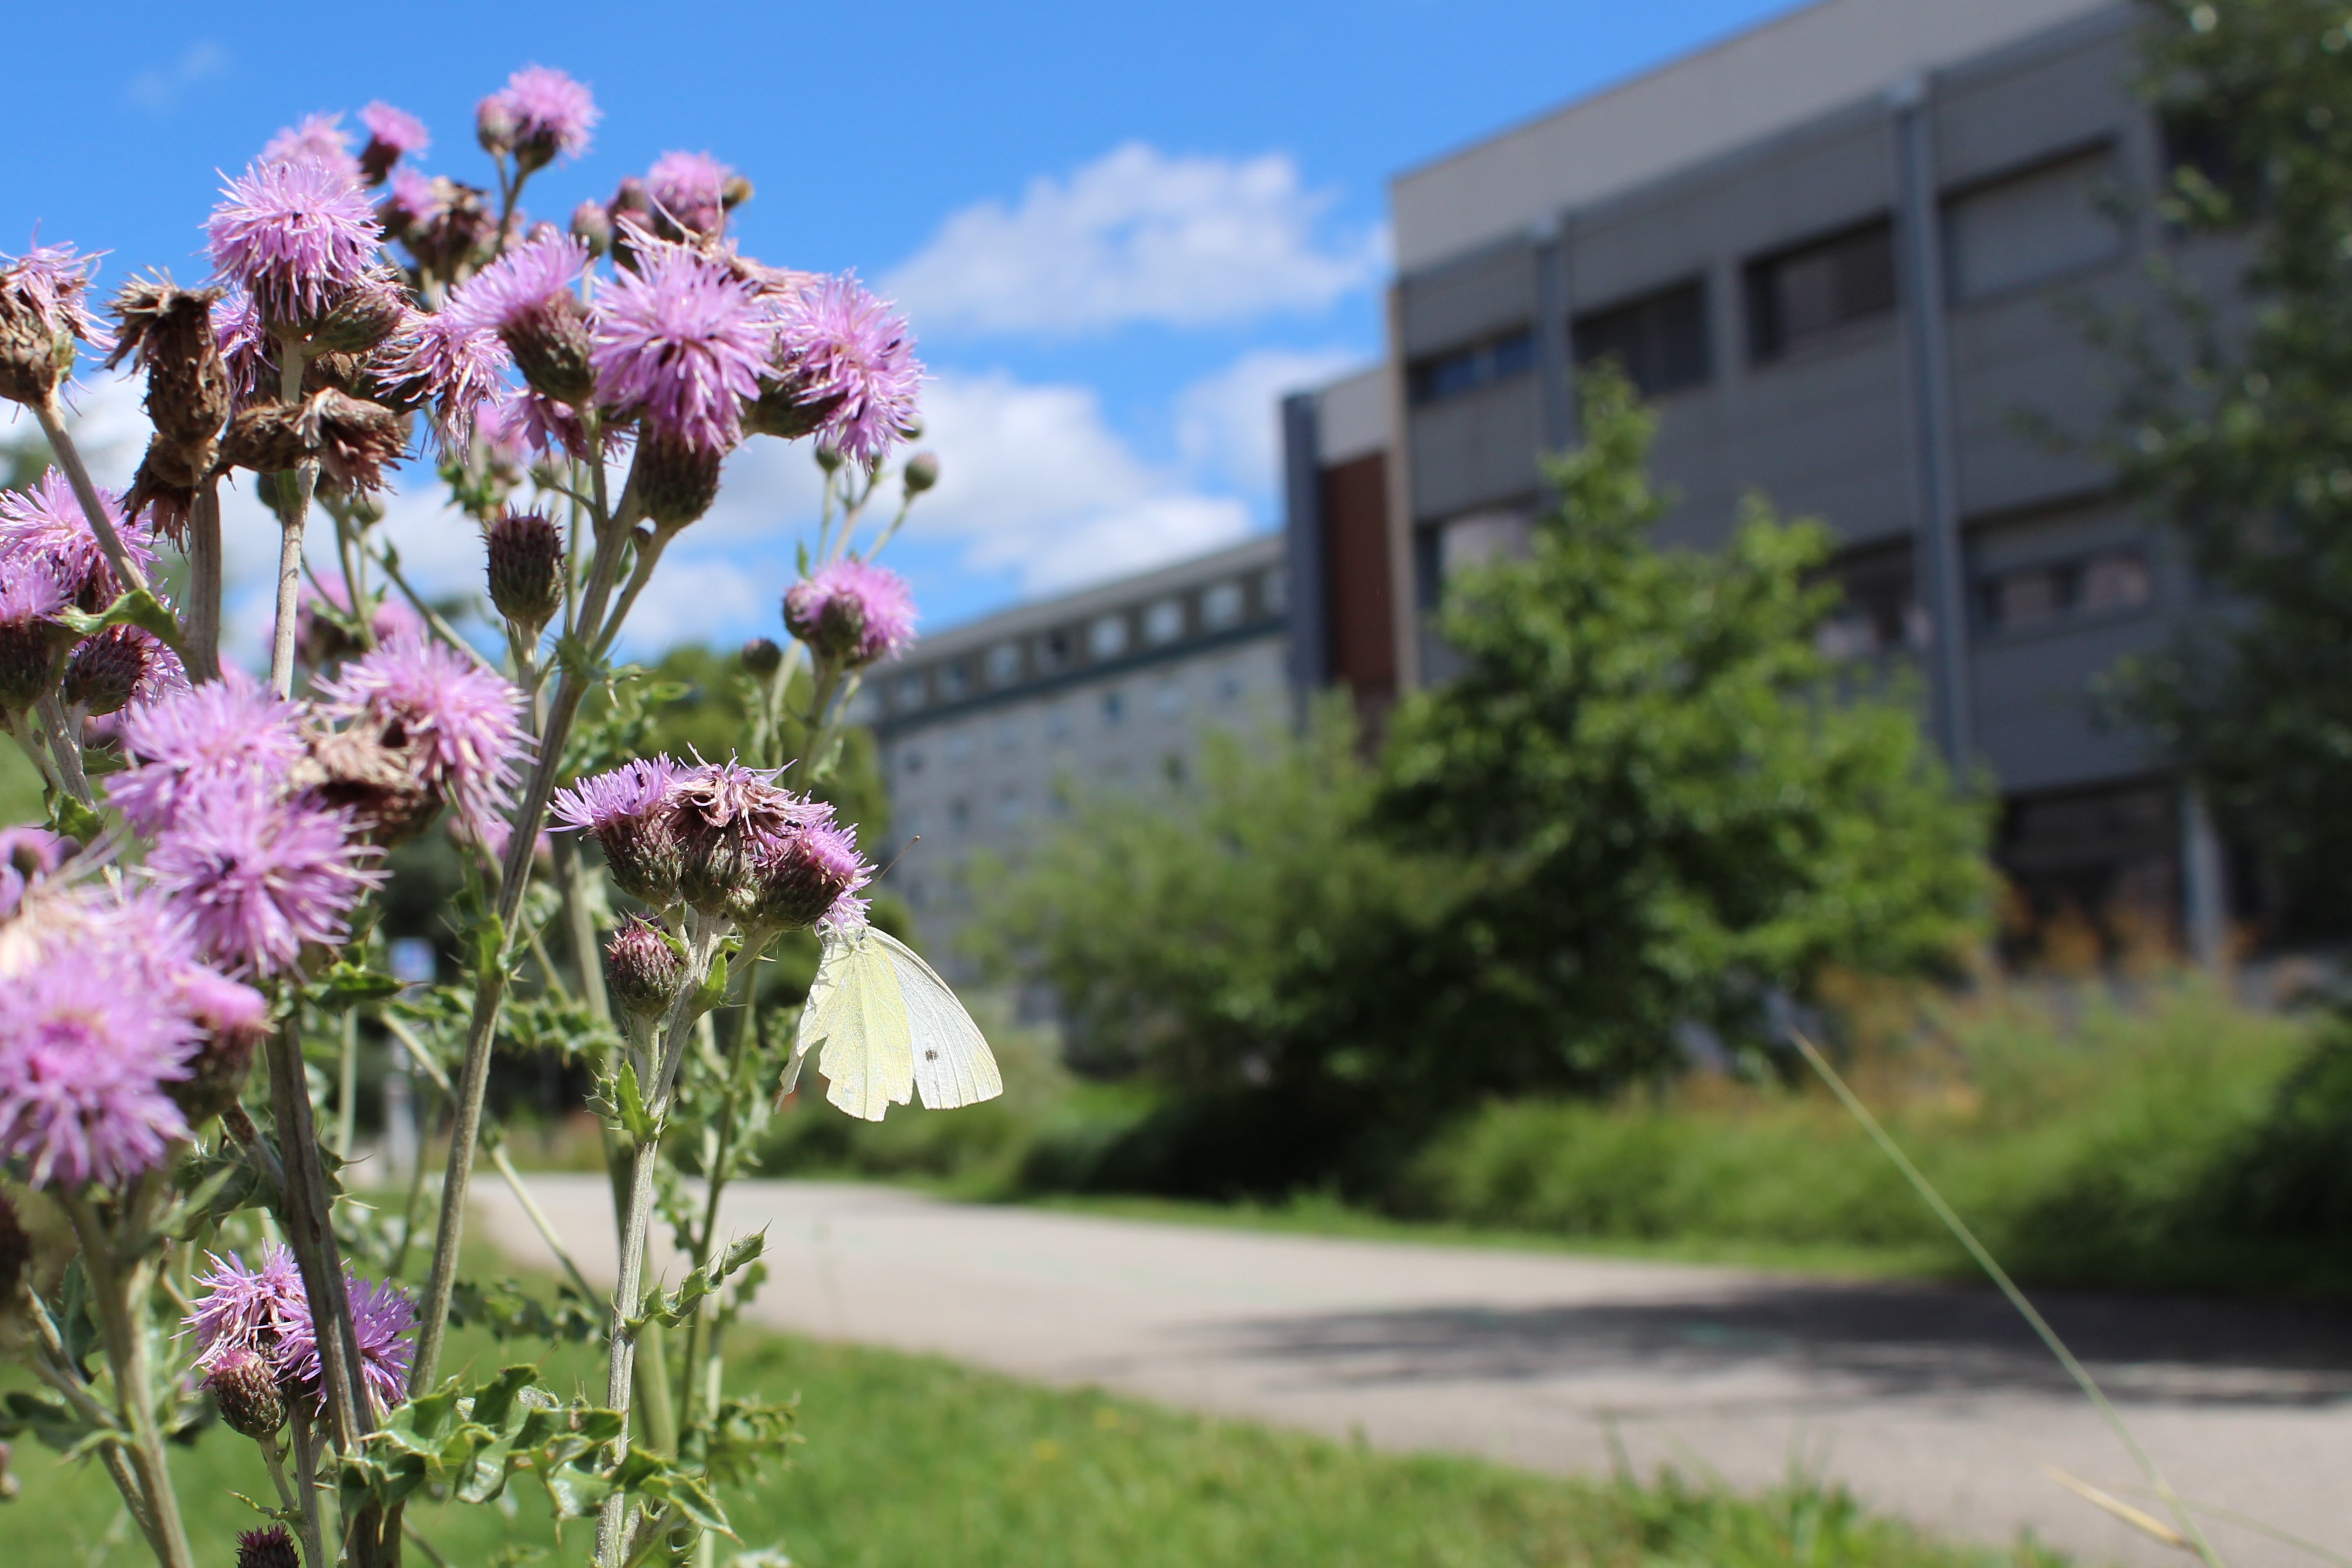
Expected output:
(197, 923)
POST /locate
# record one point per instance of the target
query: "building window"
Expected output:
(1658, 341)
(1163, 621)
(953, 682)
(1004, 663)
(2042, 225)
(1877, 610)
(1221, 606)
(1106, 638)
(910, 689)
(959, 814)
(2029, 596)
(1273, 591)
(1053, 649)
(911, 761)
(1801, 297)
(1114, 708)
(1501, 358)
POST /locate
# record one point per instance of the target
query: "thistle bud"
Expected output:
(250, 1402)
(369, 311)
(32, 648)
(592, 226)
(678, 481)
(793, 880)
(550, 345)
(494, 127)
(642, 971)
(269, 438)
(169, 329)
(526, 569)
(270, 1548)
(217, 1075)
(106, 669)
(922, 472)
(828, 457)
(15, 1251)
(761, 657)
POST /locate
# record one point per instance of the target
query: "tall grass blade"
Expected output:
(1952, 1222)
(2146, 1523)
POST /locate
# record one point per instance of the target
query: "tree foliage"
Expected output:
(2236, 425)
(1646, 801)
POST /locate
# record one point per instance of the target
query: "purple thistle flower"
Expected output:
(246, 348)
(295, 235)
(799, 878)
(466, 720)
(851, 612)
(840, 348)
(691, 188)
(247, 1311)
(319, 139)
(85, 1051)
(393, 134)
(520, 283)
(627, 813)
(637, 789)
(234, 727)
(550, 114)
(44, 525)
(45, 304)
(413, 203)
(260, 875)
(459, 365)
(682, 341)
(381, 1313)
(30, 593)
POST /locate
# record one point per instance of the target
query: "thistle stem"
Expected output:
(67, 749)
(306, 1486)
(628, 1290)
(53, 425)
(312, 1236)
(205, 584)
(118, 1294)
(291, 522)
(491, 983)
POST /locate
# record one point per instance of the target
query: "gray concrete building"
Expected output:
(987, 728)
(1840, 253)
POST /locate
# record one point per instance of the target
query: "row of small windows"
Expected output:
(2010, 234)
(1168, 699)
(1879, 613)
(1220, 606)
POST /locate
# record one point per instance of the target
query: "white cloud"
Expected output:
(159, 88)
(1034, 480)
(1137, 235)
(1229, 425)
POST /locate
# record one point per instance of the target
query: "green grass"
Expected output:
(909, 1462)
(1324, 1214)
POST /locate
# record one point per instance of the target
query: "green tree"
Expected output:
(1646, 801)
(1679, 808)
(2235, 426)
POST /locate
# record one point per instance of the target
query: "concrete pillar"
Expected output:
(1939, 565)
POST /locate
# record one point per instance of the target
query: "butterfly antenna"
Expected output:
(910, 844)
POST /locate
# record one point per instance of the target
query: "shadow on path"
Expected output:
(1882, 1340)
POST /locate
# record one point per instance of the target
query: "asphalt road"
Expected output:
(1932, 1403)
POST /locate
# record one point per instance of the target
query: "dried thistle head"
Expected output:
(168, 330)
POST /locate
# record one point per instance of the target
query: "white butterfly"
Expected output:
(889, 1026)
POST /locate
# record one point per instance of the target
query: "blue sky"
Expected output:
(1119, 229)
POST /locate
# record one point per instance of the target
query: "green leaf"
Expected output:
(345, 985)
(71, 819)
(621, 1102)
(713, 990)
(139, 608)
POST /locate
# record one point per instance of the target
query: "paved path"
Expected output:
(1933, 1402)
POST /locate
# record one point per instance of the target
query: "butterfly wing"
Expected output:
(952, 1062)
(832, 959)
(869, 1053)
